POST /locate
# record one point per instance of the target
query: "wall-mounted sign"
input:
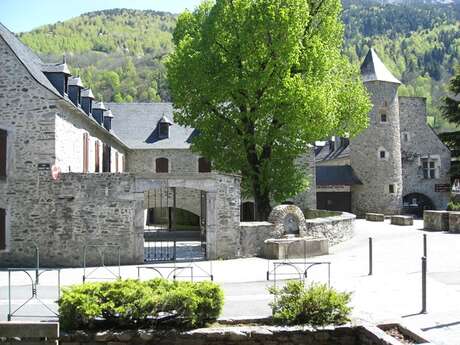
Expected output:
(44, 166)
(440, 188)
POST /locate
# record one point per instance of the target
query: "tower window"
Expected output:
(383, 154)
(391, 188)
(383, 117)
(161, 165)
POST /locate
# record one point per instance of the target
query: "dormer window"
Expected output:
(164, 130)
(163, 127)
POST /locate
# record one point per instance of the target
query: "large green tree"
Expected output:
(451, 112)
(261, 80)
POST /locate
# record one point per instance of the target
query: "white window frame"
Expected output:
(433, 166)
(387, 154)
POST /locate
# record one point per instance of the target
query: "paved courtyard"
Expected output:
(392, 293)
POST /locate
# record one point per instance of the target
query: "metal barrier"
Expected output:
(299, 270)
(34, 282)
(175, 271)
(101, 250)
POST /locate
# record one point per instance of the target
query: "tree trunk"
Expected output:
(263, 208)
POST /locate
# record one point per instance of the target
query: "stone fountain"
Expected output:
(291, 240)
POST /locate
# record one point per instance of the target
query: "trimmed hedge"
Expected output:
(315, 306)
(127, 304)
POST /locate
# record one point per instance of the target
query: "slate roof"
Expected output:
(99, 105)
(56, 68)
(76, 81)
(342, 175)
(324, 153)
(373, 69)
(87, 93)
(136, 124)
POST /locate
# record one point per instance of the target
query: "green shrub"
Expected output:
(316, 305)
(134, 304)
(453, 206)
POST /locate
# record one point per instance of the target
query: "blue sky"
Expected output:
(24, 15)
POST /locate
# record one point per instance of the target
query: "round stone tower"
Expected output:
(376, 152)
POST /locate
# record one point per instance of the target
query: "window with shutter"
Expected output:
(97, 149)
(2, 229)
(162, 165)
(204, 166)
(3, 153)
(85, 152)
(106, 159)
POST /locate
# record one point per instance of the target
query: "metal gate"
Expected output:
(163, 241)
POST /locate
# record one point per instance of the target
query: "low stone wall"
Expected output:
(244, 335)
(252, 237)
(454, 222)
(336, 229)
(436, 220)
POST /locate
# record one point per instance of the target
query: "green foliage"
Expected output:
(262, 80)
(419, 42)
(451, 112)
(315, 306)
(453, 206)
(133, 304)
(119, 53)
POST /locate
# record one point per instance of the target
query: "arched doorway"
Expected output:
(416, 203)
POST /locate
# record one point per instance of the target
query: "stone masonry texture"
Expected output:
(378, 174)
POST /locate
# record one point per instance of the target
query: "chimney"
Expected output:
(87, 101)
(108, 116)
(75, 86)
(98, 112)
(58, 75)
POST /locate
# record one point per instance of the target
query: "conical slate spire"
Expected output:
(373, 69)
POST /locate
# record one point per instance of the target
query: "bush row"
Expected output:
(126, 304)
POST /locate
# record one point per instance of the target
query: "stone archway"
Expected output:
(288, 220)
(416, 203)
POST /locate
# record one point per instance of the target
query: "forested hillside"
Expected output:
(120, 53)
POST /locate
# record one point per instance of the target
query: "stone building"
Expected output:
(68, 180)
(398, 164)
(78, 174)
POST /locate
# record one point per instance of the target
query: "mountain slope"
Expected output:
(120, 53)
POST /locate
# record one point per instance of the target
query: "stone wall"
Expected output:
(252, 237)
(378, 174)
(30, 114)
(66, 215)
(422, 142)
(336, 229)
(180, 161)
(243, 335)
